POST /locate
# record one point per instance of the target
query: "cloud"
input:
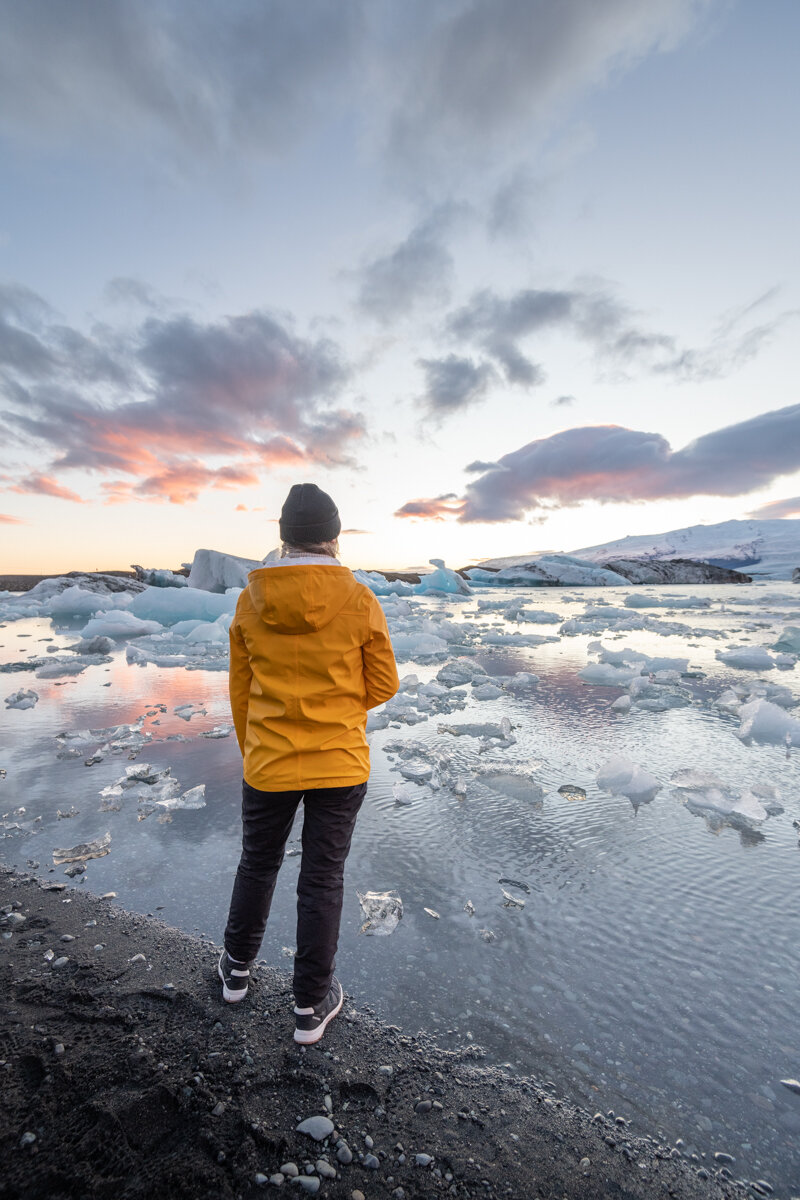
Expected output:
(43, 485)
(562, 401)
(499, 326)
(175, 76)
(5, 519)
(453, 383)
(481, 75)
(777, 508)
(432, 510)
(417, 271)
(608, 463)
(148, 402)
(124, 290)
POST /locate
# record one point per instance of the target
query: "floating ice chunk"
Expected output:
(78, 602)
(119, 623)
(406, 793)
(768, 722)
(645, 600)
(60, 665)
(622, 777)
(159, 577)
(409, 683)
(417, 770)
(657, 696)
(93, 645)
(789, 641)
(747, 658)
(511, 901)
(211, 631)
(22, 699)
(383, 912)
(376, 719)
(381, 586)
(418, 645)
(622, 704)
(572, 791)
(516, 785)
(461, 671)
(169, 606)
(729, 701)
(608, 675)
(442, 580)
(143, 773)
(219, 731)
(522, 681)
(498, 638)
(96, 849)
(215, 571)
(705, 793)
(486, 691)
(187, 711)
(193, 799)
(489, 730)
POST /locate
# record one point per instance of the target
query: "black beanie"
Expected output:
(309, 516)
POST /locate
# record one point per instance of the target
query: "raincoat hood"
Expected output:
(300, 598)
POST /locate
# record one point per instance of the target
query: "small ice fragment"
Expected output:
(792, 1084)
(622, 704)
(487, 935)
(194, 798)
(432, 913)
(383, 911)
(96, 849)
(622, 777)
(219, 731)
(510, 901)
(406, 793)
(469, 909)
(22, 699)
(417, 770)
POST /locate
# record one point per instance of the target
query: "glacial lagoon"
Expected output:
(596, 850)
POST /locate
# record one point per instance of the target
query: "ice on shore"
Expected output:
(215, 571)
(383, 912)
(622, 777)
(22, 699)
(85, 850)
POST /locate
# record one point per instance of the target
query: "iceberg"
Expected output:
(747, 658)
(169, 606)
(442, 580)
(548, 570)
(77, 602)
(789, 640)
(381, 586)
(118, 623)
(214, 571)
(768, 722)
(156, 577)
(705, 793)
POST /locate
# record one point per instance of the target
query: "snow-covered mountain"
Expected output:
(763, 549)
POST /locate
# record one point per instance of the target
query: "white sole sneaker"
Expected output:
(307, 1037)
(232, 995)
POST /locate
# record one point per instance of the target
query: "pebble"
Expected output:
(423, 1106)
(58, 1048)
(276, 1180)
(137, 958)
(260, 1179)
(423, 1160)
(100, 946)
(67, 937)
(371, 1162)
(325, 1169)
(15, 919)
(289, 1169)
(90, 924)
(27, 1138)
(357, 1195)
(316, 1127)
(218, 1109)
(368, 1142)
(60, 962)
(309, 1183)
(344, 1153)
(585, 1164)
(328, 1103)
(721, 1157)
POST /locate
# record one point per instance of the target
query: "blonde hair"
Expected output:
(330, 549)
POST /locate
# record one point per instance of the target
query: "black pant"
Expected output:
(328, 823)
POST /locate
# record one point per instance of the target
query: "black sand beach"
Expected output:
(125, 1075)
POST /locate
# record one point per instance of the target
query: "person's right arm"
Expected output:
(380, 668)
(239, 679)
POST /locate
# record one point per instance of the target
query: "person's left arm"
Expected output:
(240, 677)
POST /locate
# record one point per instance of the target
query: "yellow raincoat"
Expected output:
(310, 653)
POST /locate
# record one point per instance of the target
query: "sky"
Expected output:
(501, 276)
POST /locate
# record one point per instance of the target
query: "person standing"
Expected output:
(310, 654)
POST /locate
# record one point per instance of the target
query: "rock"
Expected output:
(289, 1169)
(58, 1048)
(371, 1162)
(357, 1195)
(328, 1103)
(368, 1142)
(67, 937)
(317, 1128)
(260, 1179)
(792, 1084)
(721, 1157)
(15, 920)
(60, 962)
(584, 1165)
(218, 1109)
(308, 1183)
(423, 1160)
(137, 958)
(276, 1180)
(423, 1106)
(344, 1153)
(325, 1169)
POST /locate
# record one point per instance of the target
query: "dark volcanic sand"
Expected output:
(133, 1088)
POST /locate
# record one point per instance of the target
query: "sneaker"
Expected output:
(235, 977)
(310, 1023)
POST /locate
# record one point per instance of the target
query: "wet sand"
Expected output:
(128, 1077)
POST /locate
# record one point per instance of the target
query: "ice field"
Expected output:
(579, 851)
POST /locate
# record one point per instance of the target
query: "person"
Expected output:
(310, 653)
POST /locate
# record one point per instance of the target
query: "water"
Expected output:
(654, 967)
